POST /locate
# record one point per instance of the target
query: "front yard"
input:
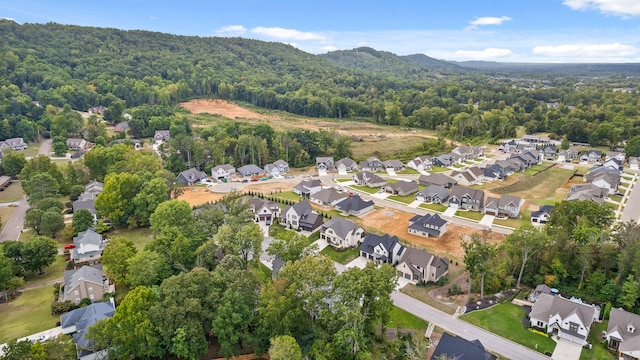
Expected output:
(343, 257)
(471, 215)
(599, 350)
(11, 193)
(140, 236)
(403, 199)
(435, 207)
(365, 189)
(29, 313)
(506, 320)
(400, 319)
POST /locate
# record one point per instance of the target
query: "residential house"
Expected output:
(249, 171)
(366, 178)
(89, 245)
(86, 282)
(569, 320)
(77, 322)
(427, 225)
(395, 165)
(437, 179)
(539, 290)
(495, 172)
(86, 200)
(621, 334)
(277, 168)
(382, 249)
(634, 162)
(121, 127)
(505, 206)
(444, 160)
(77, 144)
(477, 151)
(324, 163)
(436, 194)
(535, 139)
(620, 156)
(470, 176)
(301, 216)
(604, 179)
(137, 144)
(401, 188)
(466, 198)
(591, 156)
(463, 152)
(567, 155)
(372, 164)
(542, 215)
(327, 197)
(418, 265)
(613, 163)
(5, 181)
(346, 164)
(190, 176)
(14, 144)
(507, 147)
(355, 205)
(587, 192)
(306, 188)
(420, 163)
(162, 135)
(341, 233)
(455, 347)
(549, 152)
(97, 110)
(264, 210)
(224, 171)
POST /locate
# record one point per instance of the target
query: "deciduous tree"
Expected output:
(38, 253)
(115, 257)
(82, 220)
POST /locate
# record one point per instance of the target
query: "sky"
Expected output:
(547, 31)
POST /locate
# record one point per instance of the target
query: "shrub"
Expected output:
(58, 307)
(84, 302)
(539, 332)
(455, 290)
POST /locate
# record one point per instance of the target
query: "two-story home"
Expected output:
(420, 163)
(14, 144)
(567, 155)
(89, 245)
(341, 233)
(401, 188)
(436, 194)
(569, 320)
(542, 215)
(429, 225)
(495, 172)
(264, 210)
(87, 282)
(190, 176)
(604, 179)
(591, 156)
(77, 323)
(437, 179)
(301, 216)
(162, 135)
(324, 163)
(382, 249)
(224, 171)
(613, 163)
(466, 198)
(277, 168)
(395, 165)
(550, 152)
(76, 144)
(372, 164)
(463, 152)
(121, 127)
(327, 197)
(587, 192)
(306, 188)
(346, 164)
(249, 171)
(444, 160)
(470, 176)
(355, 205)
(366, 178)
(623, 334)
(417, 265)
(455, 347)
(539, 290)
(505, 206)
(620, 156)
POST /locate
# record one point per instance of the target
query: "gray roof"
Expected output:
(455, 347)
(225, 167)
(301, 208)
(304, 185)
(545, 209)
(324, 159)
(342, 227)
(251, 168)
(508, 199)
(392, 163)
(388, 242)
(192, 175)
(348, 162)
(620, 321)
(424, 223)
(280, 163)
(328, 195)
(587, 192)
(85, 204)
(436, 179)
(87, 273)
(439, 190)
(369, 177)
(549, 305)
(89, 237)
(354, 203)
(83, 318)
(460, 191)
(404, 186)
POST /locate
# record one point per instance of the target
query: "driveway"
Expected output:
(566, 350)
(56, 331)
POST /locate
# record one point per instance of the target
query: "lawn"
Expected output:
(509, 326)
(611, 206)
(400, 319)
(5, 214)
(471, 215)
(410, 171)
(458, 166)
(515, 223)
(343, 257)
(437, 169)
(403, 199)
(599, 350)
(52, 272)
(616, 198)
(31, 150)
(544, 188)
(29, 313)
(140, 237)
(422, 293)
(287, 195)
(434, 207)
(12, 193)
(365, 189)
(343, 180)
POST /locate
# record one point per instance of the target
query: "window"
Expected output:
(77, 300)
(76, 292)
(90, 289)
(573, 327)
(91, 297)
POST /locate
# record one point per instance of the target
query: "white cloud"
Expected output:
(586, 50)
(486, 54)
(286, 34)
(623, 8)
(9, 19)
(237, 29)
(487, 20)
(329, 48)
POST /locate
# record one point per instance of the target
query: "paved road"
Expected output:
(631, 212)
(13, 227)
(45, 147)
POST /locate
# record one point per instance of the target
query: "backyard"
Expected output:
(343, 257)
(11, 193)
(400, 319)
(544, 188)
(27, 314)
(140, 237)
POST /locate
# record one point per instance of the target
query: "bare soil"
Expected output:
(220, 107)
(198, 195)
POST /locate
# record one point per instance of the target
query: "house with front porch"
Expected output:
(542, 215)
(591, 156)
(355, 205)
(567, 319)
(418, 265)
(324, 163)
(301, 216)
(264, 210)
(346, 164)
(395, 165)
(277, 168)
(249, 171)
(224, 171)
(372, 164)
(428, 225)
(190, 176)
(505, 206)
(420, 163)
(401, 188)
(567, 155)
(341, 233)
(620, 156)
(466, 198)
(382, 249)
(327, 197)
(77, 144)
(366, 178)
(306, 188)
(435, 194)
(623, 334)
(14, 144)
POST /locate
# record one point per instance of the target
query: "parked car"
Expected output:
(69, 246)
(41, 338)
(245, 180)
(289, 177)
(306, 176)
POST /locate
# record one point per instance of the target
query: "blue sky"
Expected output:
(496, 30)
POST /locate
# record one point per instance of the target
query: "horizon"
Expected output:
(528, 32)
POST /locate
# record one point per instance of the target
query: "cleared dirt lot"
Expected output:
(198, 195)
(220, 107)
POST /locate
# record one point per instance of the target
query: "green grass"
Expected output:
(437, 169)
(611, 206)
(261, 271)
(599, 350)
(434, 207)
(52, 272)
(140, 237)
(517, 222)
(343, 257)
(5, 214)
(28, 314)
(458, 166)
(400, 319)
(343, 180)
(616, 198)
(313, 237)
(472, 215)
(365, 189)
(410, 171)
(12, 193)
(537, 168)
(31, 150)
(509, 326)
(287, 195)
(403, 199)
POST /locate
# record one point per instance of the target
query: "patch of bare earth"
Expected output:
(220, 107)
(199, 195)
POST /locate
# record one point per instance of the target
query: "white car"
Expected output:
(41, 338)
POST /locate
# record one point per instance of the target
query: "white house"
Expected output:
(417, 265)
(382, 249)
(420, 163)
(542, 215)
(346, 164)
(569, 320)
(307, 188)
(623, 334)
(264, 210)
(89, 245)
(341, 233)
(224, 171)
(634, 162)
(277, 168)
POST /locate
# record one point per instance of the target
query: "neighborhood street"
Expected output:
(631, 212)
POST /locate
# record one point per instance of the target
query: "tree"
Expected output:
(48, 203)
(147, 200)
(477, 256)
(115, 257)
(17, 350)
(172, 213)
(82, 221)
(147, 268)
(630, 293)
(113, 113)
(565, 145)
(13, 162)
(60, 145)
(285, 347)
(291, 249)
(342, 147)
(33, 220)
(633, 146)
(38, 253)
(52, 222)
(115, 202)
(40, 186)
(6, 273)
(524, 243)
